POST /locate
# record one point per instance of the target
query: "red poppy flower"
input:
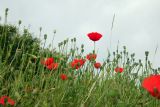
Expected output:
(94, 36)
(97, 65)
(77, 63)
(91, 57)
(47, 61)
(52, 66)
(152, 85)
(119, 69)
(9, 100)
(63, 77)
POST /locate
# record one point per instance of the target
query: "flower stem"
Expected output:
(94, 47)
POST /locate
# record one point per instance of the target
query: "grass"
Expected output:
(24, 79)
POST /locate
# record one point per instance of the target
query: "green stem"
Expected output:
(94, 47)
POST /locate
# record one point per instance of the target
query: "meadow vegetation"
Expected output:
(34, 75)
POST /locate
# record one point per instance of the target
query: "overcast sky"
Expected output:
(137, 22)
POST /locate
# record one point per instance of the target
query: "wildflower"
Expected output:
(119, 69)
(94, 36)
(91, 57)
(63, 77)
(77, 63)
(47, 61)
(97, 65)
(9, 100)
(52, 66)
(152, 85)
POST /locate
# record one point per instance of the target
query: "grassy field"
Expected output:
(33, 75)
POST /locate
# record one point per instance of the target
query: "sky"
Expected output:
(136, 23)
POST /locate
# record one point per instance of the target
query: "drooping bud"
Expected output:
(132, 55)
(113, 53)
(45, 36)
(59, 44)
(40, 29)
(6, 11)
(65, 41)
(54, 31)
(71, 40)
(82, 50)
(124, 47)
(19, 22)
(74, 39)
(6, 14)
(82, 46)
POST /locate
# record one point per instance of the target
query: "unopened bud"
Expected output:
(82, 50)
(54, 31)
(124, 47)
(40, 29)
(45, 36)
(113, 53)
(6, 11)
(59, 44)
(19, 22)
(65, 42)
(146, 53)
(82, 46)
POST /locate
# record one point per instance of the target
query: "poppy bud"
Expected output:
(108, 60)
(45, 36)
(6, 11)
(54, 31)
(71, 40)
(40, 29)
(82, 50)
(127, 53)
(121, 53)
(59, 44)
(82, 46)
(65, 42)
(146, 53)
(19, 22)
(113, 53)
(158, 69)
(132, 55)
(124, 47)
